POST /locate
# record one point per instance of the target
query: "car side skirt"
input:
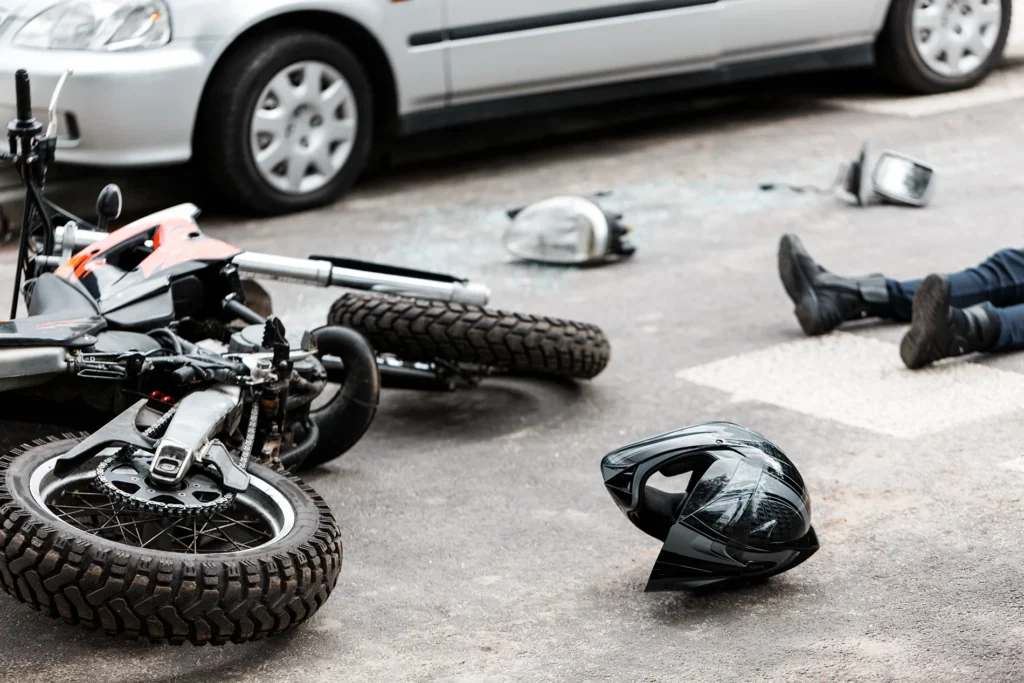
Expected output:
(804, 62)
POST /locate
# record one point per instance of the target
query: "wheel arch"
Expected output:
(354, 35)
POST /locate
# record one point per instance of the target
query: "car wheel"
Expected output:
(287, 123)
(932, 46)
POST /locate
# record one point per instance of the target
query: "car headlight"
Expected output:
(566, 231)
(104, 25)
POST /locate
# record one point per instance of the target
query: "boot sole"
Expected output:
(798, 284)
(929, 319)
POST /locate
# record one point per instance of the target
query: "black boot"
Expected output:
(823, 300)
(938, 330)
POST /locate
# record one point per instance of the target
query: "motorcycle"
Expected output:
(175, 515)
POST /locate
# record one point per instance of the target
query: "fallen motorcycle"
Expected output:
(175, 517)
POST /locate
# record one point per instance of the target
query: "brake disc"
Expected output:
(124, 478)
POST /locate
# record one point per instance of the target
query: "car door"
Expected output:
(752, 27)
(500, 49)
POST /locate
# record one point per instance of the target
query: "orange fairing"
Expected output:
(176, 239)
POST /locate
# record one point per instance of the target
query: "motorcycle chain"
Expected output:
(163, 509)
(105, 485)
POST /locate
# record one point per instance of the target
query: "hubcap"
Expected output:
(955, 37)
(303, 127)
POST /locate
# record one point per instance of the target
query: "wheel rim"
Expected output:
(954, 38)
(258, 517)
(303, 127)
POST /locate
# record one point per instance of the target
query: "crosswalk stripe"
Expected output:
(861, 382)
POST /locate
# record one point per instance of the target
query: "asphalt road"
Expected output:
(480, 543)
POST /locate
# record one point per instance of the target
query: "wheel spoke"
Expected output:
(121, 525)
(296, 172)
(185, 546)
(323, 161)
(978, 45)
(116, 513)
(935, 46)
(124, 537)
(339, 130)
(335, 95)
(287, 94)
(158, 534)
(269, 158)
(83, 508)
(929, 19)
(138, 536)
(222, 537)
(988, 12)
(241, 524)
(273, 121)
(197, 534)
(954, 53)
(312, 79)
(70, 515)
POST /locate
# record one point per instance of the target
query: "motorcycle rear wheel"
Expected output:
(69, 551)
(422, 330)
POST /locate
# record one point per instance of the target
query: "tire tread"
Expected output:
(138, 596)
(424, 330)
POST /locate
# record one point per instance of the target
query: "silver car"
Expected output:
(280, 102)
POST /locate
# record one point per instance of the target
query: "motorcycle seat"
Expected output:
(60, 314)
(49, 294)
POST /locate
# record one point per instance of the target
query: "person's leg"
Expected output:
(999, 280)
(824, 300)
(939, 329)
(1011, 329)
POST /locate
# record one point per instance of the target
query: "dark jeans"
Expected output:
(998, 282)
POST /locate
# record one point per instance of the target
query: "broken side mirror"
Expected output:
(857, 181)
(900, 179)
(895, 178)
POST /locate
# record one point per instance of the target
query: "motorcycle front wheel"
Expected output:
(254, 569)
(421, 330)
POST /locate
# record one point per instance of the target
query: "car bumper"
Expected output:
(118, 109)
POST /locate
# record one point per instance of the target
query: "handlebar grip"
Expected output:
(23, 93)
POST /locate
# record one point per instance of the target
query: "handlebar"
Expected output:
(23, 95)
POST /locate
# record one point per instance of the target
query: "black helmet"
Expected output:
(745, 513)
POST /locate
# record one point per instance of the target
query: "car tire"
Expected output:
(902, 46)
(228, 132)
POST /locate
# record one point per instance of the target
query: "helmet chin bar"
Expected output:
(745, 514)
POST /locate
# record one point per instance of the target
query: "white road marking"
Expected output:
(860, 381)
(1017, 464)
